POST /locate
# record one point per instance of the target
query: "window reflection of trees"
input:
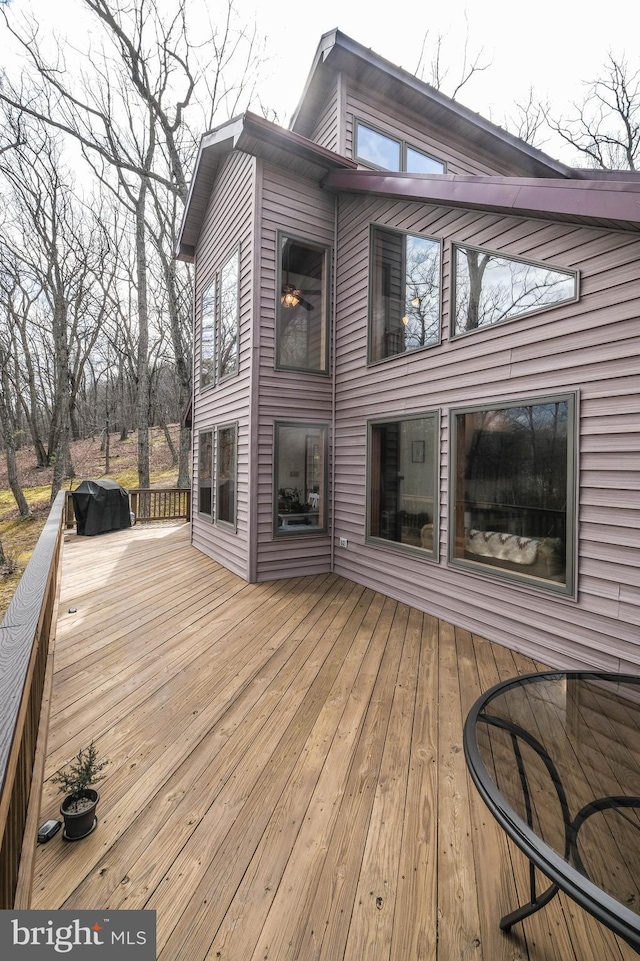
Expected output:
(226, 474)
(421, 318)
(491, 288)
(207, 340)
(405, 306)
(228, 336)
(516, 468)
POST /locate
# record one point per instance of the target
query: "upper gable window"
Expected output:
(490, 288)
(302, 334)
(404, 293)
(391, 153)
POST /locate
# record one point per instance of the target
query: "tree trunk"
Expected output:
(183, 367)
(170, 444)
(10, 452)
(143, 341)
(62, 465)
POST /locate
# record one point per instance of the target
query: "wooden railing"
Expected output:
(158, 505)
(26, 653)
(150, 504)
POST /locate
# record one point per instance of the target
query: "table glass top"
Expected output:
(563, 751)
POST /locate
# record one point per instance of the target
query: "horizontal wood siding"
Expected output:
(229, 223)
(591, 346)
(399, 121)
(294, 205)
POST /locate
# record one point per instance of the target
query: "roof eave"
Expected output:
(612, 203)
(248, 133)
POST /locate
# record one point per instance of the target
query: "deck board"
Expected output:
(286, 778)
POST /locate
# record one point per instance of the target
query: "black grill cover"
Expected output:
(100, 506)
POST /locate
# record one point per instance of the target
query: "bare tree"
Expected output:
(529, 120)
(132, 106)
(605, 127)
(8, 420)
(54, 249)
(430, 66)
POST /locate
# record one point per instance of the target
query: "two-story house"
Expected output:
(417, 346)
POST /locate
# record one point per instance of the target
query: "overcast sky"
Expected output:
(552, 44)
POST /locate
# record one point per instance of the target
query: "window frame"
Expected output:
(220, 521)
(567, 589)
(208, 514)
(220, 377)
(433, 555)
(371, 360)
(454, 246)
(402, 143)
(322, 529)
(327, 253)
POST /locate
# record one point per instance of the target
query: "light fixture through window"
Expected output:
(290, 296)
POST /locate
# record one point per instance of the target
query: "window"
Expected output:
(403, 482)
(405, 293)
(229, 317)
(513, 498)
(226, 474)
(205, 472)
(390, 153)
(300, 480)
(302, 335)
(207, 336)
(220, 324)
(490, 288)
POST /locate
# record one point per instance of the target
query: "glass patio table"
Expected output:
(556, 758)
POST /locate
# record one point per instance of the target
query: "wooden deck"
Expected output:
(286, 776)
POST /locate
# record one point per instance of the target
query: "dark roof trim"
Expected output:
(589, 173)
(253, 135)
(294, 143)
(334, 43)
(614, 201)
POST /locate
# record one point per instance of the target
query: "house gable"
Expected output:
(348, 81)
(569, 597)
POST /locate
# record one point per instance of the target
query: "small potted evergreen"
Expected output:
(79, 805)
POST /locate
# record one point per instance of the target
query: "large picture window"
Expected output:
(390, 153)
(405, 293)
(226, 474)
(205, 473)
(302, 335)
(403, 482)
(300, 481)
(512, 497)
(490, 288)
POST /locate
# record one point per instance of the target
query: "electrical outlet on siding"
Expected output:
(344, 542)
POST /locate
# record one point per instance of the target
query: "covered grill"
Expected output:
(101, 506)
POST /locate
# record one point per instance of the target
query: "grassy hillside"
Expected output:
(19, 537)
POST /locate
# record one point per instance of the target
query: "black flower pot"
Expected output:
(79, 813)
